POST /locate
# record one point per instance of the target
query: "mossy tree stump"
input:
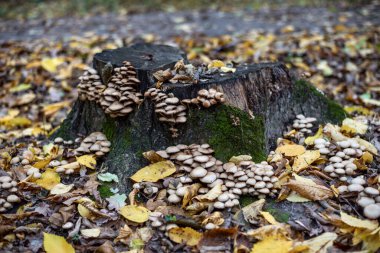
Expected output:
(264, 97)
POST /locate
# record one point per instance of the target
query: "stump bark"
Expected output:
(264, 97)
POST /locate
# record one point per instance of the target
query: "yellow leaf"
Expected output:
(358, 109)
(320, 244)
(11, 122)
(211, 195)
(310, 140)
(268, 217)
(356, 126)
(56, 244)
(51, 64)
(185, 235)
(272, 244)
(358, 223)
(227, 69)
(87, 160)
(53, 108)
(240, 158)
(191, 191)
(251, 212)
(295, 197)
(42, 164)
(49, 179)
(137, 214)
(61, 189)
(369, 146)
(307, 188)
(216, 64)
(84, 212)
(303, 161)
(154, 172)
(291, 150)
(367, 157)
(91, 232)
(21, 87)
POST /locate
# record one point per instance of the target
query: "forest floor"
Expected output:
(336, 49)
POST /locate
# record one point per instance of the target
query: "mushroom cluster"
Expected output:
(303, 124)
(198, 164)
(8, 191)
(122, 92)
(96, 143)
(167, 106)
(368, 196)
(206, 98)
(90, 86)
(341, 157)
(245, 178)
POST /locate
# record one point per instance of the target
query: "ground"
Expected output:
(45, 47)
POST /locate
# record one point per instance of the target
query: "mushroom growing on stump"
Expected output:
(263, 96)
(122, 92)
(90, 86)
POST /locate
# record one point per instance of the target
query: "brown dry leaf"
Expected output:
(124, 234)
(191, 191)
(210, 195)
(252, 211)
(154, 172)
(153, 157)
(309, 189)
(291, 150)
(185, 235)
(218, 240)
(277, 230)
(214, 218)
(303, 161)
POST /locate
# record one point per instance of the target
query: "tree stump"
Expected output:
(263, 97)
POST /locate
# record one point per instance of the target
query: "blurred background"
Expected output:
(45, 45)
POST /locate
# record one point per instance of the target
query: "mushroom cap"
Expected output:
(172, 150)
(372, 211)
(173, 198)
(355, 188)
(358, 180)
(199, 172)
(201, 159)
(209, 178)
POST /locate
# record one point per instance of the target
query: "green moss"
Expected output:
(279, 214)
(247, 138)
(245, 200)
(105, 190)
(332, 112)
(109, 128)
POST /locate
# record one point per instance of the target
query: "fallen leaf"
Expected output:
(91, 232)
(295, 197)
(321, 243)
(51, 64)
(138, 214)
(61, 189)
(56, 244)
(43, 163)
(268, 217)
(252, 211)
(116, 201)
(185, 235)
(108, 177)
(273, 244)
(309, 189)
(216, 64)
(304, 160)
(240, 158)
(211, 195)
(191, 191)
(310, 140)
(48, 179)
(291, 150)
(358, 223)
(358, 127)
(87, 160)
(21, 87)
(152, 156)
(154, 172)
